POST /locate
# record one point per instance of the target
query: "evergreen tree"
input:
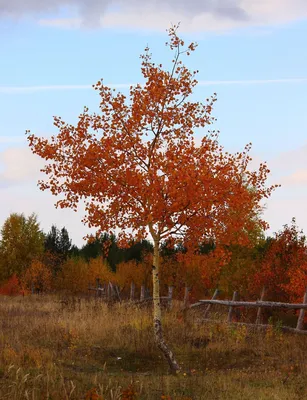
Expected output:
(57, 247)
(64, 243)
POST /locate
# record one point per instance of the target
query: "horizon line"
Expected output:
(39, 88)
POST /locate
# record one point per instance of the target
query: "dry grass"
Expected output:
(48, 351)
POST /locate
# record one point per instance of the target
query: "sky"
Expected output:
(252, 53)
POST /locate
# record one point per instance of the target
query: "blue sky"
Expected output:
(254, 57)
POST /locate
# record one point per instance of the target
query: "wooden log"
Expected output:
(256, 304)
(229, 317)
(96, 289)
(215, 294)
(258, 318)
(300, 320)
(198, 304)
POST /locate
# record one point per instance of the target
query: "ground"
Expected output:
(89, 350)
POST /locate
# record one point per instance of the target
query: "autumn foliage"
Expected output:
(283, 267)
(37, 278)
(11, 287)
(139, 168)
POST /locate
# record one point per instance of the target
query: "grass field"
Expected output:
(50, 350)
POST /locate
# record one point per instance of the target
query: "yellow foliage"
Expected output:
(133, 271)
(37, 277)
(78, 274)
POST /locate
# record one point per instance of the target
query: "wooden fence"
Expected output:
(111, 292)
(260, 304)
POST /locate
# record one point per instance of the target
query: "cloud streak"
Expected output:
(195, 15)
(43, 88)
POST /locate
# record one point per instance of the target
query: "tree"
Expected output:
(11, 287)
(52, 240)
(21, 242)
(64, 243)
(115, 255)
(139, 169)
(283, 265)
(77, 274)
(57, 248)
(37, 278)
(58, 241)
(243, 262)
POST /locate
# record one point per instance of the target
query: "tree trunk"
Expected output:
(157, 314)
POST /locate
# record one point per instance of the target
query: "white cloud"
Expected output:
(31, 89)
(12, 139)
(19, 173)
(298, 178)
(18, 165)
(281, 209)
(289, 169)
(195, 15)
(42, 88)
(28, 199)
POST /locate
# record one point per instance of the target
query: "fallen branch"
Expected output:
(269, 304)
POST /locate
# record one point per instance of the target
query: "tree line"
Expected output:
(34, 261)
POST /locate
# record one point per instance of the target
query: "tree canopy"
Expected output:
(139, 168)
(21, 241)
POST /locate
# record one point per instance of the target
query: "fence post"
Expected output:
(117, 292)
(142, 296)
(215, 294)
(132, 290)
(234, 298)
(109, 291)
(300, 321)
(98, 285)
(186, 297)
(112, 290)
(258, 318)
(170, 296)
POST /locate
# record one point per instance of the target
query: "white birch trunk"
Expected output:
(157, 314)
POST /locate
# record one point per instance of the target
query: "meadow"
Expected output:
(52, 350)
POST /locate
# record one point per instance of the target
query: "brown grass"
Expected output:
(53, 351)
